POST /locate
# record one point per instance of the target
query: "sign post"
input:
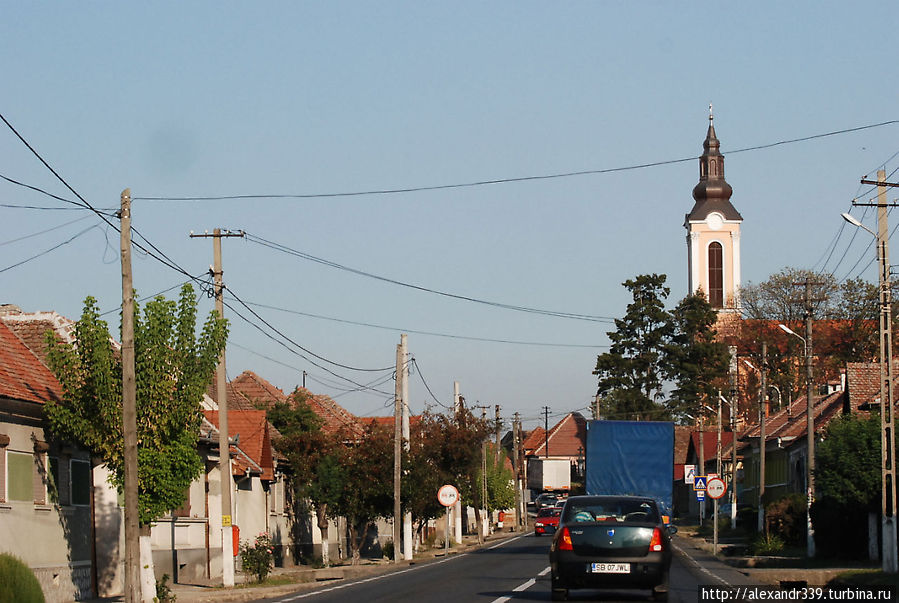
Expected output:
(447, 496)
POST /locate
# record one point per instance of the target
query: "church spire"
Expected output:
(712, 191)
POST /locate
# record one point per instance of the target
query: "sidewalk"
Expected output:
(303, 578)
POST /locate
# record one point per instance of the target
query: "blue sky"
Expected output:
(204, 99)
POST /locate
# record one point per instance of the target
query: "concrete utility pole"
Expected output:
(222, 401)
(407, 517)
(733, 436)
(810, 408)
(890, 564)
(763, 417)
(516, 470)
(129, 411)
(701, 470)
(546, 431)
(457, 508)
(499, 427)
(397, 454)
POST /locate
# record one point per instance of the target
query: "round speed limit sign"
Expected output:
(716, 487)
(447, 495)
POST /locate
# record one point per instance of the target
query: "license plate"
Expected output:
(610, 568)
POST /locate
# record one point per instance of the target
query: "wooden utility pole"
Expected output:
(499, 427)
(546, 431)
(457, 508)
(397, 455)
(129, 412)
(221, 393)
(810, 408)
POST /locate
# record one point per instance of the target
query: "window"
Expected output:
(81, 482)
(20, 467)
(716, 275)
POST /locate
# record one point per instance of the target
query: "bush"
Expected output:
(767, 544)
(164, 594)
(787, 518)
(841, 530)
(257, 559)
(387, 549)
(17, 582)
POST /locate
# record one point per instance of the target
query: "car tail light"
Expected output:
(656, 543)
(565, 540)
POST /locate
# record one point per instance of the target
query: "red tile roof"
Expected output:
(791, 423)
(532, 440)
(566, 438)
(254, 440)
(22, 375)
(32, 329)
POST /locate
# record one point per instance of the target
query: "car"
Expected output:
(547, 499)
(547, 520)
(618, 542)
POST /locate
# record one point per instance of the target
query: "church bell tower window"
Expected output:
(716, 275)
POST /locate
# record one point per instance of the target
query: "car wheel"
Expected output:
(560, 593)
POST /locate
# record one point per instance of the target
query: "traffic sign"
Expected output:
(689, 473)
(700, 495)
(447, 495)
(699, 482)
(716, 487)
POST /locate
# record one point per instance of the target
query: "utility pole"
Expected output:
(701, 459)
(129, 412)
(763, 418)
(457, 508)
(397, 454)
(810, 464)
(499, 427)
(734, 392)
(546, 431)
(516, 470)
(596, 416)
(890, 564)
(222, 395)
(407, 517)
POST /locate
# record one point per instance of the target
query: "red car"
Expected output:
(547, 520)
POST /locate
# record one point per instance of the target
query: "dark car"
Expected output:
(547, 520)
(547, 499)
(616, 542)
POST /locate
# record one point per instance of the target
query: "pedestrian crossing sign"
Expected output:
(699, 482)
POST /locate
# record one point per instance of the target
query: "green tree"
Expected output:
(779, 299)
(630, 374)
(500, 488)
(173, 367)
(696, 360)
(847, 461)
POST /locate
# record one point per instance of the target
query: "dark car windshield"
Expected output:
(611, 510)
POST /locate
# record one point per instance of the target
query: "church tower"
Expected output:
(713, 231)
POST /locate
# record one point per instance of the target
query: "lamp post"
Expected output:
(887, 436)
(810, 429)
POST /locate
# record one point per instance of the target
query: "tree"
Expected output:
(173, 368)
(777, 298)
(630, 374)
(696, 360)
(315, 473)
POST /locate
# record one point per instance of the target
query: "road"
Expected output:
(512, 570)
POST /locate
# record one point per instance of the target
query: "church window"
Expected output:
(716, 275)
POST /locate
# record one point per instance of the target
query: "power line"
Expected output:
(46, 251)
(306, 256)
(431, 333)
(477, 183)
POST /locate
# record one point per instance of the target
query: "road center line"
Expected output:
(496, 546)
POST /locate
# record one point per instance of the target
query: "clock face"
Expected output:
(715, 221)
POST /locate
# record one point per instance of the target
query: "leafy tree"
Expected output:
(630, 374)
(847, 461)
(173, 367)
(696, 360)
(366, 488)
(779, 299)
(500, 489)
(315, 473)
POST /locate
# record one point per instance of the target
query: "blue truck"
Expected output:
(631, 458)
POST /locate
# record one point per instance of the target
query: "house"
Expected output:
(717, 459)
(50, 492)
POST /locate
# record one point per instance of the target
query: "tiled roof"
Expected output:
(254, 440)
(791, 422)
(710, 441)
(336, 418)
(22, 375)
(566, 438)
(532, 440)
(32, 329)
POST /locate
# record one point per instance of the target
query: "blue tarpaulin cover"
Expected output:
(631, 457)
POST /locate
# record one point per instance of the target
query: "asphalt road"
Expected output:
(516, 569)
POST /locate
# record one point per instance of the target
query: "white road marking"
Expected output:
(496, 546)
(523, 586)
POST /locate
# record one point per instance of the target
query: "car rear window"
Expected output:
(615, 510)
(549, 512)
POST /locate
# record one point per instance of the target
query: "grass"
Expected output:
(867, 578)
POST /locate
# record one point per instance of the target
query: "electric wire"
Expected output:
(45, 231)
(430, 333)
(46, 251)
(289, 251)
(477, 183)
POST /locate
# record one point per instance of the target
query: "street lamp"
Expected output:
(810, 428)
(887, 436)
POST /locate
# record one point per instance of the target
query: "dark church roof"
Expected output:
(712, 194)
